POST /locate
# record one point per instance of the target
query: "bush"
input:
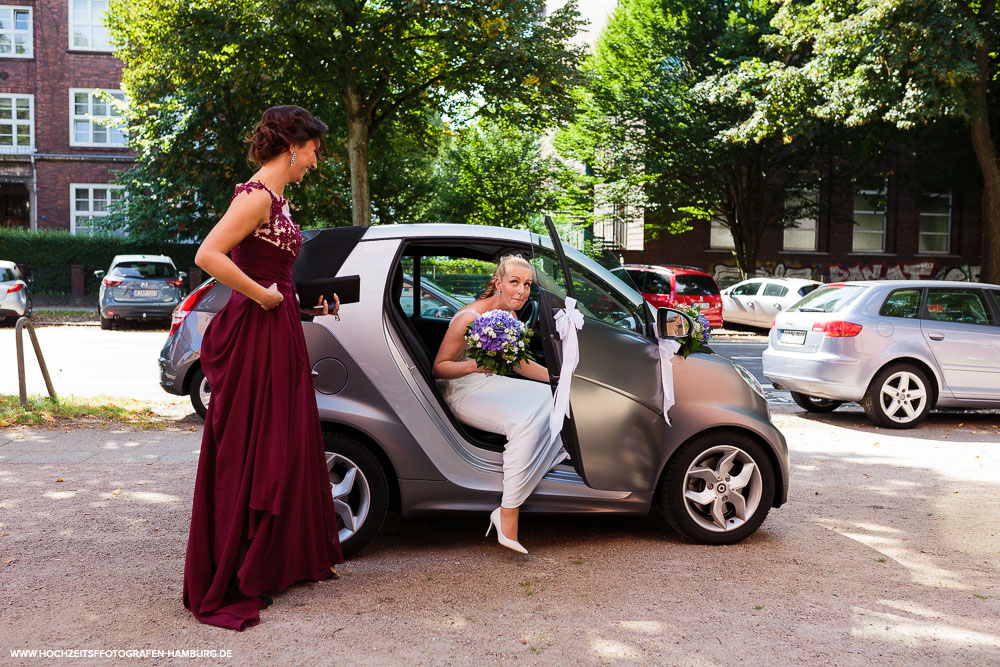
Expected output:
(48, 255)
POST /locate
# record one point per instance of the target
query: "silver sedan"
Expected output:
(898, 347)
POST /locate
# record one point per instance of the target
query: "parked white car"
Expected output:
(756, 301)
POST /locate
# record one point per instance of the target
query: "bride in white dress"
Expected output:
(502, 404)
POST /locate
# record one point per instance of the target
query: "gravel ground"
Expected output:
(886, 552)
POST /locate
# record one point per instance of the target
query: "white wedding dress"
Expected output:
(514, 407)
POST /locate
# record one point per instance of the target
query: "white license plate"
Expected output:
(702, 305)
(145, 292)
(792, 337)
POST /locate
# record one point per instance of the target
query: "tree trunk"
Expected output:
(986, 155)
(357, 153)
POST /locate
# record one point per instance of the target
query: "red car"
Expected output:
(672, 286)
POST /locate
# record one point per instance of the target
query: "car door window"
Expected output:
(747, 289)
(639, 278)
(774, 289)
(902, 303)
(957, 305)
(657, 283)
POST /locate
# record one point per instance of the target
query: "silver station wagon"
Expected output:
(391, 441)
(898, 347)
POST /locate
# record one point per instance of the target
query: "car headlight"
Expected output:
(750, 379)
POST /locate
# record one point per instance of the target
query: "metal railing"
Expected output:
(21, 380)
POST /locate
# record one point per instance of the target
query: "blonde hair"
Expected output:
(503, 268)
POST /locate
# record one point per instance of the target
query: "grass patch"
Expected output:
(76, 411)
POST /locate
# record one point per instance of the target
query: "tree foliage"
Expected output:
(198, 74)
(907, 63)
(659, 114)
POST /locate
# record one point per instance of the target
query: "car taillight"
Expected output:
(773, 322)
(837, 329)
(178, 282)
(17, 287)
(112, 282)
(186, 306)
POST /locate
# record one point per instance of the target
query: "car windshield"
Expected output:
(696, 284)
(145, 270)
(829, 299)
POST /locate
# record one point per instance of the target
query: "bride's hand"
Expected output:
(476, 368)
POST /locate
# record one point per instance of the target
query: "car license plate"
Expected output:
(792, 337)
(702, 305)
(145, 292)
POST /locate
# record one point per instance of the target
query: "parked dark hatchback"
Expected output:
(673, 286)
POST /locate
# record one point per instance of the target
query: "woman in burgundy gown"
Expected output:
(263, 515)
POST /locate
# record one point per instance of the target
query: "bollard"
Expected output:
(21, 380)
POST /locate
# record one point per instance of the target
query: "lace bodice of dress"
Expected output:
(464, 355)
(279, 230)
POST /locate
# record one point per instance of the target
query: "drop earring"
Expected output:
(292, 161)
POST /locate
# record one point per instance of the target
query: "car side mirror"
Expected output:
(673, 324)
(99, 274)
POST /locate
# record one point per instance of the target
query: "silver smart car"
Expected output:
(898, 347)
(139, 287)
(391, 441)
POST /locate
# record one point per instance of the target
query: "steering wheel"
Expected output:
(529, 313)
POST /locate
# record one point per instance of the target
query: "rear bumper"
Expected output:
(138, 311)
(817, 374)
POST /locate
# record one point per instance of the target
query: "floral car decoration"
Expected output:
(700, 335)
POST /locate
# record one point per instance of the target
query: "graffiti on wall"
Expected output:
(727, 274)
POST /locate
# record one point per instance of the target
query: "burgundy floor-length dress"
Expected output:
(263, 515)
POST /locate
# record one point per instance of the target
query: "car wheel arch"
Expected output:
(779, 477)
(373, 446)
(928, 370)
(186, 385)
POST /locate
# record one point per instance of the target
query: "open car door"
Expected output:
(616, 432)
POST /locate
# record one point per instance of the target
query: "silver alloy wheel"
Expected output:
(902, 397)
(204, 391)
(722, 488)
(352, 494)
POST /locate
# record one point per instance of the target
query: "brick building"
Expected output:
(904, 229)
(59, 82)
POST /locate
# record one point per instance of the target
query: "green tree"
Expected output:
(659, 112)
(199, 72)
(493, 173)
(908, 63)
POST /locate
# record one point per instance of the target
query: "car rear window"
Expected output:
(808, 289)
(693, 284)
(902, 303)
(829, 299)
(6, 275)
(145, 270)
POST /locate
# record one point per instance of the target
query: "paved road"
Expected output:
(747, 354)
(87, 361)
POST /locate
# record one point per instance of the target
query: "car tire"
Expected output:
(814, 404)
(899, 396)
(106, 323)
(360, 490)
(701, 514)
(200, 392)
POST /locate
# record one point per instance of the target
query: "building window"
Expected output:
(89, 201)
(935, 223)
(721, 238)
(94, 118)
(15, 32)
(801, 236)
(869, 219)
(87, 31)
(16, 123)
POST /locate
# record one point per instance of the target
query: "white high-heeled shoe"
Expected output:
(501, 538)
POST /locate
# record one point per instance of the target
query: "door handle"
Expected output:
(936, 336)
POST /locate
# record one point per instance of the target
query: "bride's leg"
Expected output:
(508, 519)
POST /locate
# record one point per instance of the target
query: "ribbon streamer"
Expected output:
(568, 320)
(668, 348)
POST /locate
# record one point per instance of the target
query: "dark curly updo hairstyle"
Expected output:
(282, 127)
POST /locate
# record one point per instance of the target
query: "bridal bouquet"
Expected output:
(498, 341)
(700, 335)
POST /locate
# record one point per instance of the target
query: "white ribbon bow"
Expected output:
(568, 321)
(668, 348)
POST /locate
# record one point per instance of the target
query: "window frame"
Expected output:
(14, 32)
(814, 195)
(107, 48)
(73, 226)
(921, 297)
(89, 117)
(14, 149)
(713, 228)
(946, 234)
(855, 210)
